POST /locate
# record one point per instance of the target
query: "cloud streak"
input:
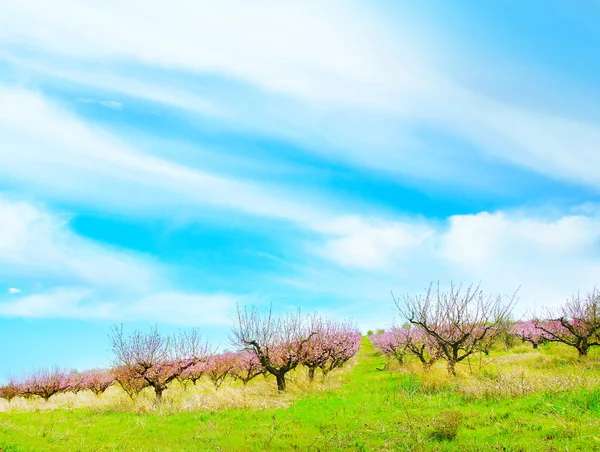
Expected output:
(175, 308)
(69, 276)
(360, 97)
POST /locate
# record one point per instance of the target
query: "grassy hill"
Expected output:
(516, 400)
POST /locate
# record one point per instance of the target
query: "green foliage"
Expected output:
(411, 385)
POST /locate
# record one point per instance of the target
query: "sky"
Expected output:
(164, 165)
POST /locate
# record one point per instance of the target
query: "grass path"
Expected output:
(373, 410)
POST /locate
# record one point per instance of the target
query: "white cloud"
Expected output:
(306, 48)
(79, 278)
(368, 89)
(186, 308)
(34, 241)
(371, 243)
(549, 256)
(113, 104)
(49, 150)
(176, 308)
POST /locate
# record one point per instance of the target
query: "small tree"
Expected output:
(392, 343)
(247, 366)
(458, 320)
(340, 342)
(528, 332)
(398, 342)
(45, 383)
(10, 390)
(219, 366)
(194, 372)
(129, 380)
(577, 324)
(423, 346)
(278, 342)
(75, 382)
(97, 381)
(156, 358)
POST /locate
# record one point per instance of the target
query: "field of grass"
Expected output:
(516, 400)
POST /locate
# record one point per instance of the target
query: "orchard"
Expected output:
(266, 345)
(456, 371)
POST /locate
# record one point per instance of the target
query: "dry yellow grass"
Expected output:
(260, 393)
(521, 371)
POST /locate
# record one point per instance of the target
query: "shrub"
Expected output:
(446, 425)
(9, 391)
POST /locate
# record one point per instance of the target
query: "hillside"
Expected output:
(516, 400)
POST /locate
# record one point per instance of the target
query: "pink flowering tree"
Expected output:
(279, 343)
(398, 342)
(339, 343)
(98, 381)
(459, 320)
(392, 343)
(246, 367)
(10, 390)
(491, 337)
(422, 345)
(219, 366)
(75, 382)
(195, 372)
(45, 383)
(156, 358)
(577, 324)
(528, 332)
(129, 380)
(324, 345)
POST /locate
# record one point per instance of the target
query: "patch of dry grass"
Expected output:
(260, 393)
(518, 372)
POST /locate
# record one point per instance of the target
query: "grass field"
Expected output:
(517, 400)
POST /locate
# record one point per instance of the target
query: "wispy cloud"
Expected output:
(363, 98)
(34, 241)
(108, 173)
(177, 308)
(48, 148)
(74, 277)
(104, 103)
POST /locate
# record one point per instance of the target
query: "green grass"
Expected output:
(371, 410)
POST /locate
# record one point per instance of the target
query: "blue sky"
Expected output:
(163, 165)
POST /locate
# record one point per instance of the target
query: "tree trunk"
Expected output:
(311, 374)
(535, 345)
(159, 392)
(280, 381)
(451, 367)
